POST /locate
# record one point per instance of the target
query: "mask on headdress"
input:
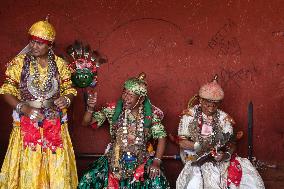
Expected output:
(42, 31)
(137, 85)
(212, 91)
(84, 65)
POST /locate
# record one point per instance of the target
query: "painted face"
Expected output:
(37, 48)
(83, 78)
(129, 99)
(209, 107)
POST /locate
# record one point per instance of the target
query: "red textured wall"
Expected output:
(179, 45)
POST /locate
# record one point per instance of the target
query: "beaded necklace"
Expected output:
(50, 86)
(139, 133)
(215, 125)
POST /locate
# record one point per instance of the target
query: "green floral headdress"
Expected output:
(137, 85)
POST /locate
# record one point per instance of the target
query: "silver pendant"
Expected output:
(39, 94)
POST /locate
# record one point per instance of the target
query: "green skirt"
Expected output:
(97, 178)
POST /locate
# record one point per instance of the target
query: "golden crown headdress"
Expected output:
(43, 30)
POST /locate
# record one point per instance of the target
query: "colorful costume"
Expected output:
(125, 163)
(201, 170)
(40, 154)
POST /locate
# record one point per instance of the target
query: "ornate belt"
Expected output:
(41, 104)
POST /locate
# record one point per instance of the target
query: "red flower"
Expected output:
(30, 132)
(32, 136)
(234, 172)
(52, 133)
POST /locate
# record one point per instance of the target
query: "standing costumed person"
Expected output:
(207, 145)
(133, 122)
(38, 87)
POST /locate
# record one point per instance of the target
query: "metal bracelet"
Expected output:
(154, 170)
(68, 101)
(19, 107)
(155, 158)
(34, 114)
(196, 146)
(90, 111)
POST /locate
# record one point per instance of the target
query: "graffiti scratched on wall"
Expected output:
(236, 76)
(224, 42)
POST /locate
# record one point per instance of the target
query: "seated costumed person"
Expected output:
(38, 87)
(133, 122)
(206, 140)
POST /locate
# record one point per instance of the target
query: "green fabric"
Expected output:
(147, 113)
(108, 112)
(158, 131)
(105, 113)
(97, 178)
(99, 117)
(117, 111)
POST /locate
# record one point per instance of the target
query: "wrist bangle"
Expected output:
(34, 114)
(19, 107)
(196, 146)
(90, 110)
(155, 158)
(68, 101)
